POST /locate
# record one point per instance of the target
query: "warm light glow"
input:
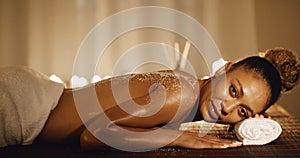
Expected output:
(95, 79)
(57, 79)
(106, 77)
(77, 81)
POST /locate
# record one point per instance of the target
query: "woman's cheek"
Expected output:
(219, 89)
(231, 118)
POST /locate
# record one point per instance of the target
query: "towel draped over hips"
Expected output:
(26, 100)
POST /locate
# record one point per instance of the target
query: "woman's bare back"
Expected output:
(65, 125)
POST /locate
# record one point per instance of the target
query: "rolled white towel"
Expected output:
(257, 131)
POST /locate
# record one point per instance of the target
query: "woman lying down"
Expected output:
(35, 109)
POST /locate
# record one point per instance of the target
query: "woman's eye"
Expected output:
(233, 91)
(243, 112)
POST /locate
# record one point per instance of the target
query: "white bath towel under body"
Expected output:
(26, 100)
(257, 131)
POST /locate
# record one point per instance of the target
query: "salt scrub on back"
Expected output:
(257, 131)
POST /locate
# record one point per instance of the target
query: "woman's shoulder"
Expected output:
(183, 76)
(170, 79)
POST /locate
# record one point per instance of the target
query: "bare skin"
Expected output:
(65, 125)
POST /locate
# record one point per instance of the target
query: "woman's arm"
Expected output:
(186, 140)
(145, 132)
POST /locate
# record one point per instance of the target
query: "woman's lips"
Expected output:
(212, 111)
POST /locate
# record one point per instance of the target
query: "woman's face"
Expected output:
(233, 97)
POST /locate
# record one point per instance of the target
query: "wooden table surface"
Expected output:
(287, 145)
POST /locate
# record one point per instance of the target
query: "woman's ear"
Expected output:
(223, 69)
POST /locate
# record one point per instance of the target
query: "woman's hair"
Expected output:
(279, 67)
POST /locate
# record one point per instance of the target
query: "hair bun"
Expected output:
(287, 64)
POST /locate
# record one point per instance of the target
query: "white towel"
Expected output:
(257, 131)
(26, 99)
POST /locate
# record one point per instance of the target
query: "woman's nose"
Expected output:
(228, 107)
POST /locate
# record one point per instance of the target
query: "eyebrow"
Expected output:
(240, 85)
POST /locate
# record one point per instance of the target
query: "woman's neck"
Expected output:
(201, 83)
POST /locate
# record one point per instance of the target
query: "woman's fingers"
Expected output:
(192, 140)
(265, 115)
(225, 142)
(216, 139)
(221, 143)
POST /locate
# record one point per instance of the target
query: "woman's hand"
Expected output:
(193, 141)
(265, 115)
